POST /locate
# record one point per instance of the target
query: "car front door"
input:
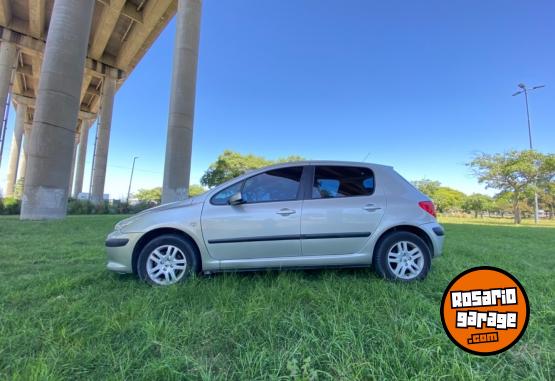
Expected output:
(266, 225)
(340, 211)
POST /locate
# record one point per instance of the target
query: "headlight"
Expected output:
(123, 223)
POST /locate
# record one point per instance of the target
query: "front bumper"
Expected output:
(437, 236)
(119, 249)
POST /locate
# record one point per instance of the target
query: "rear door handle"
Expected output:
(286, 211)
(371, 207)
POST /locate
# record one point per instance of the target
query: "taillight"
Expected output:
(428, 206)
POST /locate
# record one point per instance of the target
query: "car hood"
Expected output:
(161, 208)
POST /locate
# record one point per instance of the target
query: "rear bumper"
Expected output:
(437, 236)
(119, 250)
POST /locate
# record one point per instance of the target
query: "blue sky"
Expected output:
(418, 85)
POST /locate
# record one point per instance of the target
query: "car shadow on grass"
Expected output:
(305, 275)
(123, 278)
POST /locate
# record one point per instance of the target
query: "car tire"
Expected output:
(402, 256)
(166, 260)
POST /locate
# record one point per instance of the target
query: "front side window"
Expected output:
(276, 185)
(222, 197)
(338, 181)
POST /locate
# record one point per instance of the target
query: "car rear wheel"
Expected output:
(402, 256)
(166, 260)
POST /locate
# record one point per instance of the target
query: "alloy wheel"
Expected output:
(405, 260)
(166, 265)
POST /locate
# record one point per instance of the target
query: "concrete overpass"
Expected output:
(61, 63)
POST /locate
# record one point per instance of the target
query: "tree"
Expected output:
(445, 199)
(195, 190)
(232, 164)
(426, 186)
(154, 195)
(502, 203)
(547, 198)
(448, 199)
(149, 196)
(515, 172)
(477, 203)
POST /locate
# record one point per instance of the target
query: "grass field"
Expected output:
(497, 221)
(63, 316)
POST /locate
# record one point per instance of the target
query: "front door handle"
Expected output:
(286, 211)
(371, 207)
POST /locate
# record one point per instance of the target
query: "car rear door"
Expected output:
(267, 225)
(341, 210)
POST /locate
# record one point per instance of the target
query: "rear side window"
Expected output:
(337, 181)
(276, 185)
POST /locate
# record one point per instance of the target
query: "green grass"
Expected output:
(63, 316)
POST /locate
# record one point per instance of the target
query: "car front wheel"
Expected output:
(166, 260)
(402, 256)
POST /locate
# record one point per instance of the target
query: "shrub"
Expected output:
(79, 206)
(120, 207)
(11, 205)
(137, 208)
(101, 208)
(116, 207)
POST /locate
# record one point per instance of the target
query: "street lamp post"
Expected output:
(525, 90)
(131, 179)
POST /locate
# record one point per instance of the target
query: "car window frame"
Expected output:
(223, 189)
(300, 192)
(310, 184)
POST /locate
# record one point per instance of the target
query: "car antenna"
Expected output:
(366, 157)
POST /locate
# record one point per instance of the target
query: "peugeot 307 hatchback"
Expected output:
(309, 214)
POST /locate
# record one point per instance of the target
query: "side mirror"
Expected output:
(236, 199)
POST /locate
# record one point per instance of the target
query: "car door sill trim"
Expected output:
(292, 268)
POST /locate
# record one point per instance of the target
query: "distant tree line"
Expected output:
(451, 201)
(516, 175)
(154, 195)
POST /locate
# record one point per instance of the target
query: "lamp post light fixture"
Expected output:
(525, 90)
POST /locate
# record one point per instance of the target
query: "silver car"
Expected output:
(309, 214)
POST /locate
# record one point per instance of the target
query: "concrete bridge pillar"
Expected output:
(177, 167)
(71, 174)
(21, 172)
(81, 157)
(103, 136)
(15, 149)
(57, 107)
(8, 55)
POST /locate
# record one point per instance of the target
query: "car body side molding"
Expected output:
(291, 237)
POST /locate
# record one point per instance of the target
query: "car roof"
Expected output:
(322, 162)
(313, 162)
